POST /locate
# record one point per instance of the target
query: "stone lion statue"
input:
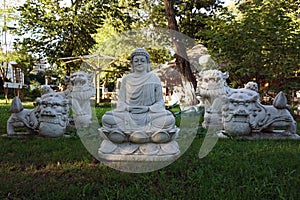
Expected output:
(211, 85)
(48, 118)
(239, 110)
(53, 109)
(80, 90)
(21, 117)
(243, 114)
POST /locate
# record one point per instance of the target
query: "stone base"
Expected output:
(137, 158)
(142, 136)
(275, 135)
(136, 163)
(221, 135)
(20, 134)
(138, 152)
(26, 134)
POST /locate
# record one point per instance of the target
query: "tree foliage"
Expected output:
(261, 42)
(152, 14)
(7, 15)
(51, 30)
(193, 15)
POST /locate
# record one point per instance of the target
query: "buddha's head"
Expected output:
(140, 60)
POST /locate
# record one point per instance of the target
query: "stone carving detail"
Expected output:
(50, 115)
(140, 126)
(21, 117)
(243, 114)
(48, 118)
(240, 111)
(53, 111)
(80, 90)
(211, 85)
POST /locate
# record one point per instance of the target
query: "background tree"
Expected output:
(182, 62)
(261, 42)
(190, 17)
(153, 14)
(118, 18)
(193, 15)
(52, 30)
(7, 16)
(187, 17)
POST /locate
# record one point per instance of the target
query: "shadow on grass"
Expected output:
(62, 168)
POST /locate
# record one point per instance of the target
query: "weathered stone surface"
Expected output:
(240, 110)
(280, 101)
(53, 114)
(21, 117)
(140, 125)
(49, 117)
(80, 90)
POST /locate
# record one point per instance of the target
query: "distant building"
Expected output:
(15, 74)
(42, 66)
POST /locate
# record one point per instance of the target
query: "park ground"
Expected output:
(62, 168)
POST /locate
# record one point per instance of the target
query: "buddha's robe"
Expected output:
(140, 106)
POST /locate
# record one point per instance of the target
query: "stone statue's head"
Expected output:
(46, 89)
(140, 52)
(53, 111)
(252, 86)
(211, 83)
(53, 104)
(239, 107)
(206, 62)
(80, 79)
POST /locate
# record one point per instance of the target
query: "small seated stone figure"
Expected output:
(140, 117)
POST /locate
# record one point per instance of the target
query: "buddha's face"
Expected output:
(139, 63)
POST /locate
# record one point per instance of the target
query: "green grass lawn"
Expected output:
(62, 168)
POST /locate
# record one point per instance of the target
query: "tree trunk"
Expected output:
(3, 73)
(182, 62)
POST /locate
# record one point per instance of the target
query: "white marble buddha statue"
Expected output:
(140, 116)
